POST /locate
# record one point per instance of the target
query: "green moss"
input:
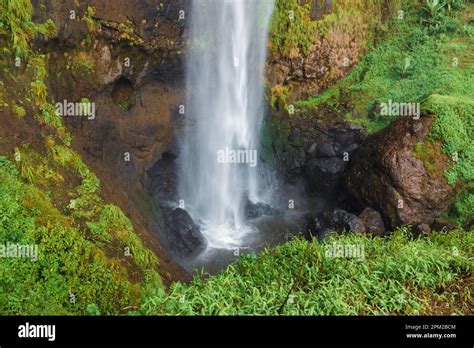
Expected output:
(279, 97)
(81, 63)
(127, 103)
(19, 111)
(462, 211)
(293, 30)
(454, 126)
(267, 135)
(89, 19)
(274, 142)
(428, 153)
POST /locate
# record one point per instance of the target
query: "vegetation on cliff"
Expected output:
(297, 24)
(427, 59)
(90, 260)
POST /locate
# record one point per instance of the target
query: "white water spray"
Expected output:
(224, 111)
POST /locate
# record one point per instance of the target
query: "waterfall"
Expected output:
(224, 110)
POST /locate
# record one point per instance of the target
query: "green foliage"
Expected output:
(405, 67)
(429, 63)
(50, 116)
(291, 27)
(89, 19)
(81, 239)
(80, 62)
(68, 266)
(17, 26)
(19, 111)
(7, 166)
(39, 92)
(462, 210)
(454, 126)
(433, 7)
(293, 30)
(393, 278)
(93, 309)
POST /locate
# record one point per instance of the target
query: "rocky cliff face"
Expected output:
(315, 43)
(386, 175)
(126, 57)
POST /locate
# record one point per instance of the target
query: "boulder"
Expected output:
(440, 224)
(255, 210)
(329, 155)
(385, 174)
(421, 229)
(324, 174)
(337, 220)
(162, 179)
(373, 221)
(183, 236)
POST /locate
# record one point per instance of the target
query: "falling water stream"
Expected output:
(219, 166)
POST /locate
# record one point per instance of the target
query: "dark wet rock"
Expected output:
(324, 174)
(350, 149)
(327, 6)
(255, 210)
(317, 10)
(294, 133)
(329, 154)
(337, 220)
(325, 150)
(440, 224)
(373, 221)
(163, 179)
(144, 19)
(385, 174)
(183, 236)
(421, 229)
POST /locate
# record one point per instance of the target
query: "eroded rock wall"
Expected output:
(314, 43)
(126, 57)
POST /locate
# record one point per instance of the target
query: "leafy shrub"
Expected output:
(434, 7)
(6, 165)
(16, 24)
(67, 263)
(392, 279)
(454, 125)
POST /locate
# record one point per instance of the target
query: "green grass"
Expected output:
(454, 126)
(398, 275)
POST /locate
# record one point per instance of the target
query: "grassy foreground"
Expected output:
(396, 275)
